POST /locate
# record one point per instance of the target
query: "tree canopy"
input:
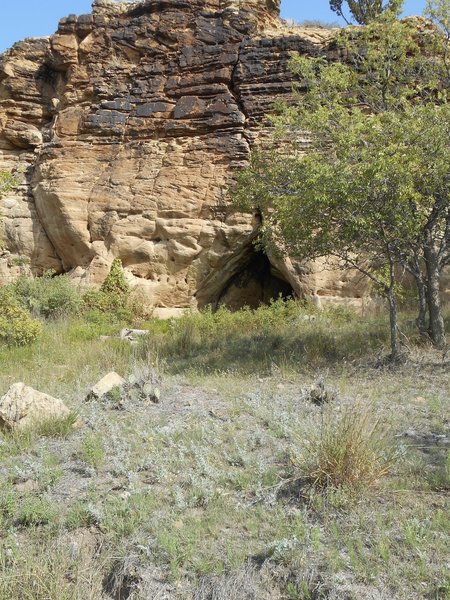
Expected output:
(373, 187)
(365, 11)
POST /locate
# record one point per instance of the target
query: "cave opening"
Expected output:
(256, 283)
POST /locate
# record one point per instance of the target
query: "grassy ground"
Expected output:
(208, 494)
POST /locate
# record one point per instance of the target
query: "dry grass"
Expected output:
(351, 449)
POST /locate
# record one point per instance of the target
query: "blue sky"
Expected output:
(28, 18)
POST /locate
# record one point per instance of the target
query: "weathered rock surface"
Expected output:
(105, 385)
(22, 406)
(132, 335)
(128, 125)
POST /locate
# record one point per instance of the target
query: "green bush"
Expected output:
(48, 296)
(115, 283)
(7, 182)
(113, 296)
(17, 326)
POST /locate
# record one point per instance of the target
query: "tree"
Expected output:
(365, 11)
(373, 189)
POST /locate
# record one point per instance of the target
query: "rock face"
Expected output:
(127, 126)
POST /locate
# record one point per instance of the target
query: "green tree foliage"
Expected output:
(373, 188)
(365, 11)
(438, 11)
(115, 283)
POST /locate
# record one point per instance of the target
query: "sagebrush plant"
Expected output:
(350, 450)
(48, 296)
(17, 326)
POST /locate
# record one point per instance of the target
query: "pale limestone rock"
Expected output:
(64, 52)
(23, 406)
(132, 334)
(106, 384)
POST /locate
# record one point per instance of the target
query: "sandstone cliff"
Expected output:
(127, 126)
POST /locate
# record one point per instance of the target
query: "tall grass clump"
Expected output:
(350, 450)
(45, 569)
(15, 441)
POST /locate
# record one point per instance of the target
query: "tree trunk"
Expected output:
(421, 320)
(393, 318)
(437, 326)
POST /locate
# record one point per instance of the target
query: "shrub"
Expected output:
(113, 296)
(350, 450)
(48, 296)
(7, 182)
(115, 283)
(17, 326)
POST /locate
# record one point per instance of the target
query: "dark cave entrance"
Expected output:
(256, 283)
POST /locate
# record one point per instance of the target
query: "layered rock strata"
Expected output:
(127, 127)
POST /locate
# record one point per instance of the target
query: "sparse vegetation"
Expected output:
(313, 24)
(199, 494)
